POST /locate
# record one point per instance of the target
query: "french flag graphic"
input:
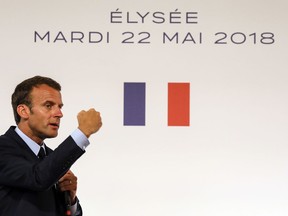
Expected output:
(135, 104)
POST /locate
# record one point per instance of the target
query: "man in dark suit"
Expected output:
(34, 180)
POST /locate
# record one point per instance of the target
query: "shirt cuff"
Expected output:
(80, 139)
(73, 208)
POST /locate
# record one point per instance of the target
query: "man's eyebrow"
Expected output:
(52, 102)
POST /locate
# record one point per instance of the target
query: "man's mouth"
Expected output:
(57, 125)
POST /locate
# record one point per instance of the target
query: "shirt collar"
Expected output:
(35, 148)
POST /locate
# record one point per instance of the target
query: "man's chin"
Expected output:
(52, 135)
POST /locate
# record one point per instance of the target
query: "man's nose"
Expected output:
(58, 113)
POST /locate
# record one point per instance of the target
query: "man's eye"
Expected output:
(48, 106)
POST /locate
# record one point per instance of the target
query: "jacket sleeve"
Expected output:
(20, 169)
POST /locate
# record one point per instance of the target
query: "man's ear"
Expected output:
(23, 111)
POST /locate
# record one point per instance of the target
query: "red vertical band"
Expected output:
(178, 104)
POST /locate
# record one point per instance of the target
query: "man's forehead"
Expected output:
(44, 92)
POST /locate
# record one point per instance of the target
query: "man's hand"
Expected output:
(89, 121)
(69, 183)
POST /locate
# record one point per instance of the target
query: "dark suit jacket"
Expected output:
(27, 184)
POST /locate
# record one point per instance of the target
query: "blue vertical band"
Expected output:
(134, 103)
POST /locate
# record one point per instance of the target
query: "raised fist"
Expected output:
(89, 121)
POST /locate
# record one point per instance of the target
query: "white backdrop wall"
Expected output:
(231, 160)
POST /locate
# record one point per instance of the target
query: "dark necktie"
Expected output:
(41, 153)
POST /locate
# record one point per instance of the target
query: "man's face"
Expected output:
(44, 117)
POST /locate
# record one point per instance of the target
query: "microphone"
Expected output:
(67, 202)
